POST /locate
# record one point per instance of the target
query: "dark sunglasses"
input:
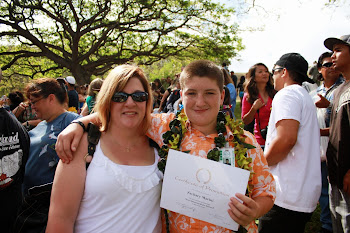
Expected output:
(327, 64)
(121, 97)
(276, 69)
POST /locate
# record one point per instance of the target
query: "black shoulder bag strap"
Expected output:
(93, 138)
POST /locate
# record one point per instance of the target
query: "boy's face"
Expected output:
(341, 57)
(202, 98)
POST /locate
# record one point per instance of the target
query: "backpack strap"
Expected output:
(93, 136)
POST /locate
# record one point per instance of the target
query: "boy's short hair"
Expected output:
(202, 69)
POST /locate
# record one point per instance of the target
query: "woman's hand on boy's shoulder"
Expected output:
(68, 141)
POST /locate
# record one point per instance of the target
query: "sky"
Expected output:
(299, 26)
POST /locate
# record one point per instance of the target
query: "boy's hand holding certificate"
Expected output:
(201, 188)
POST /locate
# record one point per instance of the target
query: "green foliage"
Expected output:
(86, 38)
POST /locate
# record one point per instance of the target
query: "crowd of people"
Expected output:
(296, 153)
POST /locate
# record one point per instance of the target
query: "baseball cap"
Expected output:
(70, 80)
(295, 62)
(330, 42)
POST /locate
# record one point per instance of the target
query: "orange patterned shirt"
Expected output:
(198, 144)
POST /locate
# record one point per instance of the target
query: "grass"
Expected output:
(314, 225)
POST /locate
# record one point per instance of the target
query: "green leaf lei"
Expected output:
(172, 140)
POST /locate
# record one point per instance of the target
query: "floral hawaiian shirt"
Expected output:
(199, 144)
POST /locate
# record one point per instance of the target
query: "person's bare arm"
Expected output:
(346, 182)
(85, 110)
(287, 135)
(165, 96)
(19, 109)
(69, 138)
(324, 132)
(322, 102)
(31, 122)
(67, 192)
(249, 116)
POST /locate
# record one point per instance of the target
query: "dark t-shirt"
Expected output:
(338, 151)
(73, 99)
(14, 150)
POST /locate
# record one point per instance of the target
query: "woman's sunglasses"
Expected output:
(327, 64)
(121, 97)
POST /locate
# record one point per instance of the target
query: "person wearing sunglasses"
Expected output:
(202, 94)
(292, 149)
(120, 191)
(331, 79)
(47, 98)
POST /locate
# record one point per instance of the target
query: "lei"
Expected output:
(172, 140)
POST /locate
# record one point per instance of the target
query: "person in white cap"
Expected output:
(72, 93)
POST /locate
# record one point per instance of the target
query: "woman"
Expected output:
(93, 90)
(233, 94)
(47, 98)
(257, 100)
(120, 191)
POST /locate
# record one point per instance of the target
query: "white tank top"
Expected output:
(120, 198)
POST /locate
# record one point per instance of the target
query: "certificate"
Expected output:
(201, 188)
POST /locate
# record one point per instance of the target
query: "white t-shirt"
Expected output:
(298, 176)
(120, 198)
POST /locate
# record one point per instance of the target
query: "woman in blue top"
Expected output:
(47, 97)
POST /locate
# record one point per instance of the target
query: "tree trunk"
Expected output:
(81, 76)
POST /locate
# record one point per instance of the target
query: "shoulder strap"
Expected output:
(93, 138)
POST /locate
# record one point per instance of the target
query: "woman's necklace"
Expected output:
(172, 140)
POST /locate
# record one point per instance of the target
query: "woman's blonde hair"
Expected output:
(116, 82)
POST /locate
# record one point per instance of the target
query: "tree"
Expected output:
(89, 37)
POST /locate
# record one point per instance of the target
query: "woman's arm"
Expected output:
(69, 138)
(249, 115)
(67, 192)
(29, 123)
(85, 110)
(19, 109)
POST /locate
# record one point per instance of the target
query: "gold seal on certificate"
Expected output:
(201, 188)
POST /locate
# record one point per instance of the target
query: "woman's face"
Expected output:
(261, 74)
(41, 106)
(129, 114)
